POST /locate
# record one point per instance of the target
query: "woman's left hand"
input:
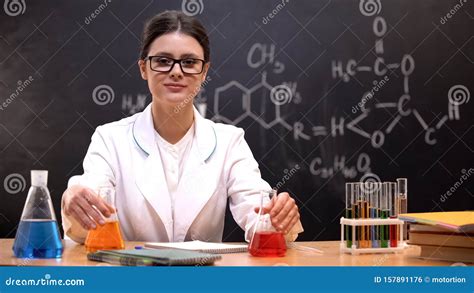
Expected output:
(283, 212)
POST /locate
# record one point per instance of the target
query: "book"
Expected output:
(154, 257)
(454, 221)
(457, 254)
(428, 228)
(201, 246)
(441, 239)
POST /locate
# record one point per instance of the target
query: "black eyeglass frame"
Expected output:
(149, 58)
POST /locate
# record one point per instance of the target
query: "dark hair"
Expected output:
(174, 21)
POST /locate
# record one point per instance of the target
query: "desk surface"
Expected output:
(75, 255)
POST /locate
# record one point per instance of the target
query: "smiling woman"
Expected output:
(173, 170)
(170, 84)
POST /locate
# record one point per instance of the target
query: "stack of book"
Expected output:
(443, 235)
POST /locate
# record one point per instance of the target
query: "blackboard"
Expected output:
(327, 92)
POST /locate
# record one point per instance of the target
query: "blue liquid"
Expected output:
(374, 228)
(38, 239)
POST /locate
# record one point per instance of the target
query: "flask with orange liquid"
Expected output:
(266, 240)
(105, 236)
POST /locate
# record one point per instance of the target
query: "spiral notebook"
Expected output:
(201, 246)
(153, 257)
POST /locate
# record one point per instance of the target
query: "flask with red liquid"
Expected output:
(266, 240)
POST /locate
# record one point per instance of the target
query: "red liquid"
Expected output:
(268, 244)
(393, 235)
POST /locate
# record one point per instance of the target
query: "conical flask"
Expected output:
(107, 236)
(38, 235)
(266, 240)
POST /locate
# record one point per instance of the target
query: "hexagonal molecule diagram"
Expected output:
(233, 102)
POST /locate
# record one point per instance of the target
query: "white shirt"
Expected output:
(173, 158)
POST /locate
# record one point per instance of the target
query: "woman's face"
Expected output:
(174, 87)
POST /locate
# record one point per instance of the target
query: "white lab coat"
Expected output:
(220, 167)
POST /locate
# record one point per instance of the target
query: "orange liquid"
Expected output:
(107, 236)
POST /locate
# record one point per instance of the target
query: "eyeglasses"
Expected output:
(165, 64)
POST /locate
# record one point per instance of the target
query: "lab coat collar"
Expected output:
(143, 133)
(150, 178)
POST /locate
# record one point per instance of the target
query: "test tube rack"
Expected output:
(370, 222)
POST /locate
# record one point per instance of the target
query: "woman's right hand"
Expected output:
(86, 207)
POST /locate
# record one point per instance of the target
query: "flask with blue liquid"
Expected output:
(38, 233)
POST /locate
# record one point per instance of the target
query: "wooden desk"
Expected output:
(75, 255)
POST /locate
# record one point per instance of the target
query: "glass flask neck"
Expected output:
(264, 222)
(38, 205)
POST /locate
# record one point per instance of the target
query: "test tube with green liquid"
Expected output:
(356, 211)
(384, 214)
(350, 202)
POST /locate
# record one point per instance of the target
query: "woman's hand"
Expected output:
(85, 206)
(283, 212)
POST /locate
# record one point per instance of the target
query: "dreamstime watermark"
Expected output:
(380, 260)
(103, 95)
(458, 264)
(21, 86)
(205, 261)
(25, 261)
(458, 95)
(2, 216)
(191, 96)
(192, 7)
(90, 18)
(370, 7)
(45, 281)
(14, 183)
(281, 94)
(445, 18)
(14, 7)
(267, 18)
(288, 175)
(466, 174)
(281, 264)
(369, 182)
(369, 95)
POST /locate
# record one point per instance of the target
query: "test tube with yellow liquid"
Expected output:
(363, 203)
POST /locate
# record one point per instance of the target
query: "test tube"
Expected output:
(394, 208)
(403, 202)
(349, 211)
(374, 212)
(364, 214)
(384, 214)
(356, 210)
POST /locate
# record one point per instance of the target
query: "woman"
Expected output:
(172, 170)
